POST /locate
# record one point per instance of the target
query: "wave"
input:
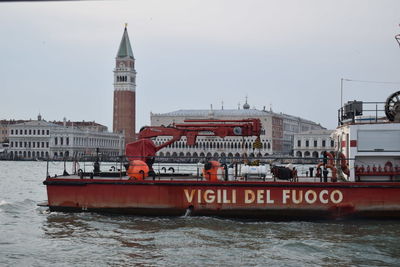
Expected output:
(18, 205)
(3, 202)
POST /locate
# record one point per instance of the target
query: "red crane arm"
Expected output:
(155, 131)
(144, 147)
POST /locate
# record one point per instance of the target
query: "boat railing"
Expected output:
(199, 168)
(358, 112)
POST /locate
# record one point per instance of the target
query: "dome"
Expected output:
(246, 106)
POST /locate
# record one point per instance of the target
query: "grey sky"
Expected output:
(58, 58)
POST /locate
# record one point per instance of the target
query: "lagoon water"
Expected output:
(31, 236)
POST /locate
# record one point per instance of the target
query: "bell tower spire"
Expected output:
(125, 90)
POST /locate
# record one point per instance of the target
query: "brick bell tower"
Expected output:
(125, 90)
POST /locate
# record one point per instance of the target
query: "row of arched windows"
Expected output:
(30, 132)
(122, 78)
(83, 141)
(216, 145)
(211, 155)
(29, 154)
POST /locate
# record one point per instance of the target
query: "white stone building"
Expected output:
(76, 142)
(41, 139)
(276, 137)
(313, 143)
(30, 139)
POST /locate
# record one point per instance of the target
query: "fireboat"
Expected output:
(360, 180)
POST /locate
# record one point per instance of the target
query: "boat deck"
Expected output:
(189, 178)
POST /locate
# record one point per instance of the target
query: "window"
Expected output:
(12, 132)
(33, 144)
(47, 144)
(42, 144)
(67, 141)
(42, 132)
(332, 143)
(55, 141)
(26, 132)
(307, 143)
(323, 143)
(315, 143)
(20, 132)
(34, 132)
(12, 144)
(298, 143)
(47, 132)
(30, 131)
(61, 141)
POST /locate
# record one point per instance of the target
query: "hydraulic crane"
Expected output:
(144, 149)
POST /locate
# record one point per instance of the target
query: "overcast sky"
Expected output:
(57, 58)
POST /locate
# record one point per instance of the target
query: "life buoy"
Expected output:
(138, 170)
(343, 164)
(330, 156)
(328, 166)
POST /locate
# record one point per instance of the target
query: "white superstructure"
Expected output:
(369, 145)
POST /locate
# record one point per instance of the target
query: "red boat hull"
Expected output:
(260, 200)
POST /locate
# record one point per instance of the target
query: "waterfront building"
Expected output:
(125, 90)
(313, 143)
(4, 129)
(76, 142)
(41, 139)
(276, 136)
(30, 139)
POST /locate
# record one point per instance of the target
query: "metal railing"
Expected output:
(164, 168)
(366, 112)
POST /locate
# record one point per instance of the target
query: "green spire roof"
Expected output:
(125, 49)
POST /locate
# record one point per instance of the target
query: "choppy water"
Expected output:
(30, 236)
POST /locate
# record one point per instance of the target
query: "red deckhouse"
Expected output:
(125, 90)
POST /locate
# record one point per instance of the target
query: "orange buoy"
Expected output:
(138, 169)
